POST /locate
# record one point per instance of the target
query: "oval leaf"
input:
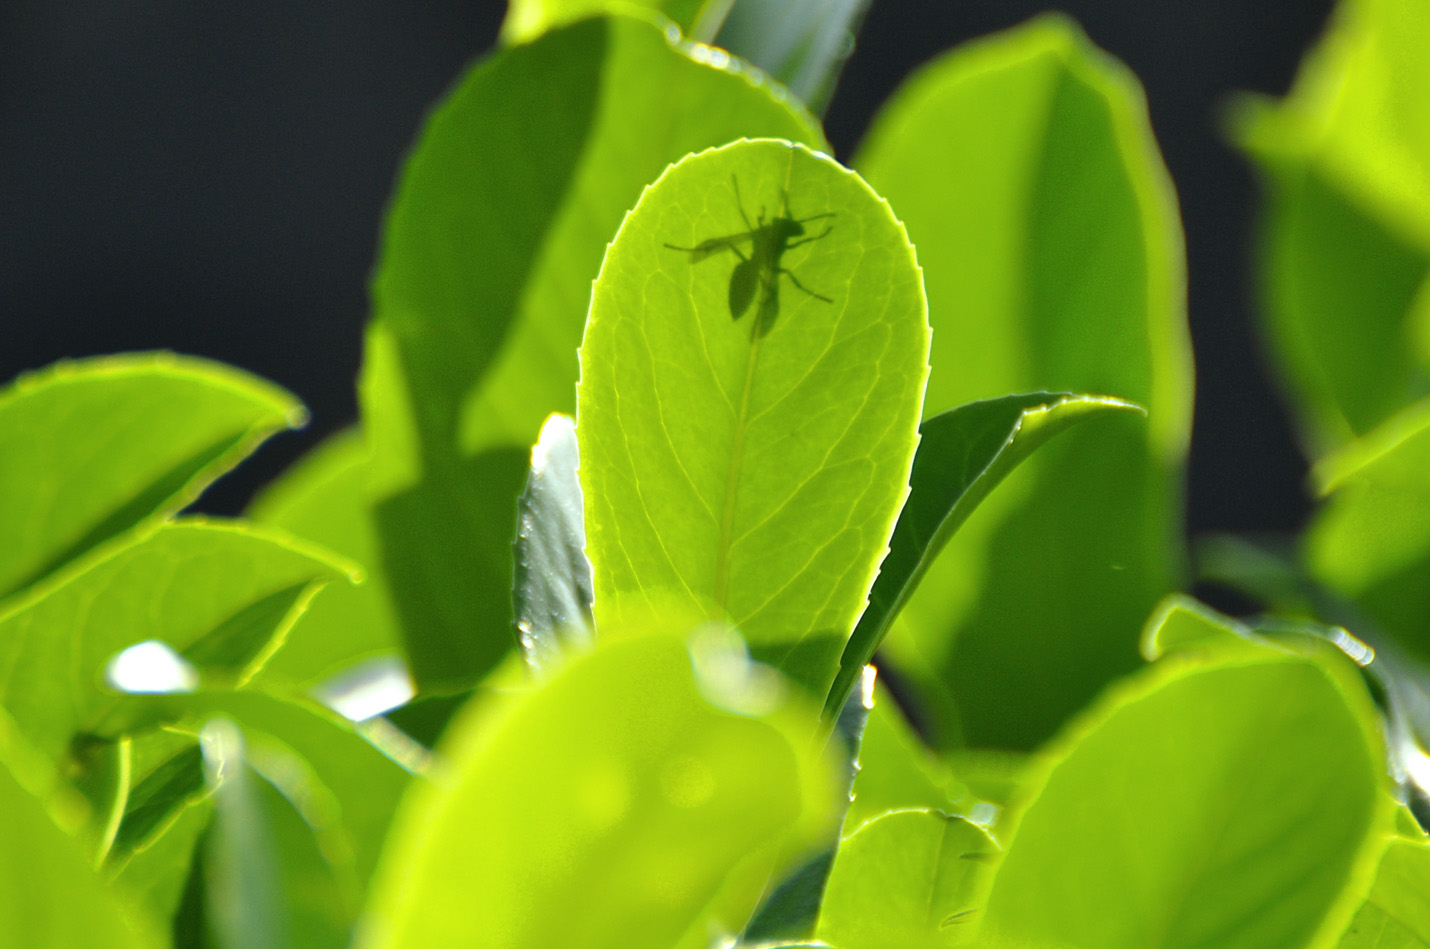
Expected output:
(1240, 804)
(752, 464)
(90, 449)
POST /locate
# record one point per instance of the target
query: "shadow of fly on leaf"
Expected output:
(758, 272)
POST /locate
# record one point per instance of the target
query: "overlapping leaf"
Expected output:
(621, 791)
(1025, 170)
(481, 291)
(92, 448)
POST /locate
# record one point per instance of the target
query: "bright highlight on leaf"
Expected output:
(753, 472)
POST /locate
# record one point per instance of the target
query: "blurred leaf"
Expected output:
(963, 454)
(1370, 540)
(1346, 238)
(615, 791)
(482, 287)
(896, 770)
(528, 19)
(1181, 623)
(904, 879)
(324, 498)
(50, 897)
(1396, 915)
(222, 594)
(89, 449)
(1239, 802)
(1024, 168)
(802, 43)
(752, 467)
(553, 577)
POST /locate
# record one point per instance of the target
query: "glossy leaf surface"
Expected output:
(616, 791)
(89, 449)
(1228, 804)
(751, 463)
(1024, 168)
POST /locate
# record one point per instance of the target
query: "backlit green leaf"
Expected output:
(1025, 170)
(481, 290)
(908, 879)
(620, 792)
(1346, 241)
(1230, 804)
(527, 19)
(1396, 915)
(223, 595)
(963, 454)
(89, 449)
(750, 461)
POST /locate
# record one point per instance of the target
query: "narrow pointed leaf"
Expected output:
(963, 454)
(92, 448)
(802, 43)
(752, 468)
(553, 577)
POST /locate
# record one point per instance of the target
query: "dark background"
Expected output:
(209, 178)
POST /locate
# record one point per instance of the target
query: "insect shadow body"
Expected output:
(759, 271)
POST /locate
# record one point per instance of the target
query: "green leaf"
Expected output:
(1370, 540)
(553, 577)
(481, 290)
(89, 449)
(1181, 623)
(896, 770)
(323, 498)
(963, 454)
(1025, 170)
(1396, 915)
(222, 594)
(801, 43)
(621, 791)
(1346, 239)
(528, 19)
(348, 776)
(752, 468)
(906, 878)
(1232, 803)
(50, 897)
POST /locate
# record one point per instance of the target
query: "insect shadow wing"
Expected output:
(743, 281)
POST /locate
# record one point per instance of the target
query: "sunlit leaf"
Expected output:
(751, 461)
(89, 449)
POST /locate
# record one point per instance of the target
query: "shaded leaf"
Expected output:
(324, 498)
(752, 468)
(1025, 170)
(963, 454)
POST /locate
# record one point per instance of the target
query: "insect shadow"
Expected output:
(759, 270)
